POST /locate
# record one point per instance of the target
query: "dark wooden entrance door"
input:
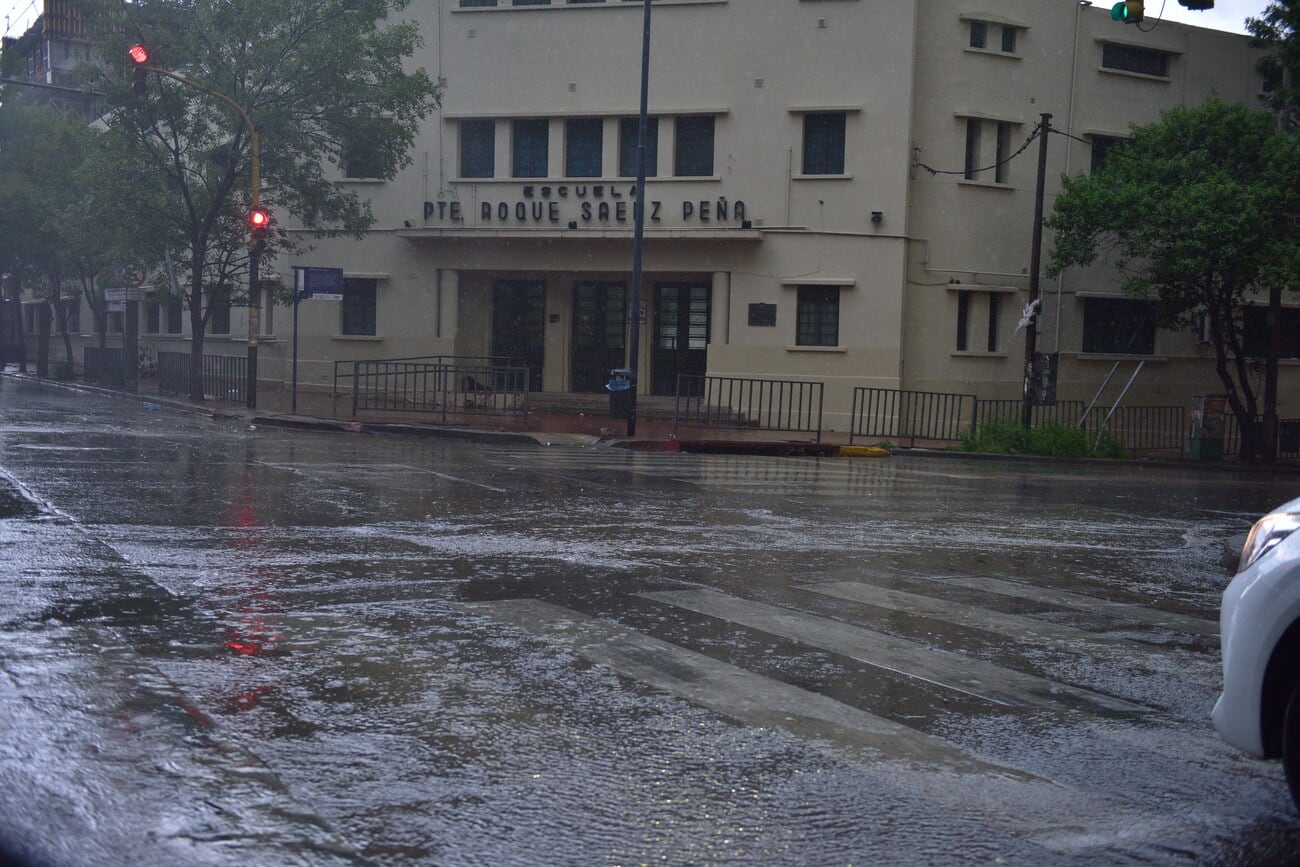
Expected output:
(519, 325)
(599, 329)
(681, 333)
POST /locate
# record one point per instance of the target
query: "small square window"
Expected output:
(818, 316)
(823, 144)
(1119, 326)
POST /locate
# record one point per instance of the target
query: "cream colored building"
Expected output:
(794, 227)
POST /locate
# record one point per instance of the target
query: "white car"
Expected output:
(1259, 710)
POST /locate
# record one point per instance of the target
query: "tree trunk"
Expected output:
(196, 328)
(43, 340)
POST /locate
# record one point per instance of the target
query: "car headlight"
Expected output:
(1267, 534)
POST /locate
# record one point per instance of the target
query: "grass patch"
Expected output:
(1052, 439)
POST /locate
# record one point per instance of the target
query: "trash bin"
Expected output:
(620, 392)
(1208, 424)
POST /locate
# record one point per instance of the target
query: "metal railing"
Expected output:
(224, 376)
(1288, 436)
(436, 385)
(1143, 429)
(345, 376)
(1065, 412)
(896, 414)
(776, 405)
(103, 366)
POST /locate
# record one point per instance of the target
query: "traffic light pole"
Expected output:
(1035, 263)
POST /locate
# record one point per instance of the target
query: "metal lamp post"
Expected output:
(638, 218)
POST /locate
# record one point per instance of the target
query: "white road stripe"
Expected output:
(1085, 603)
(953, 671)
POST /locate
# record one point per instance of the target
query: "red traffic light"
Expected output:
(258, 219)
(139, 54)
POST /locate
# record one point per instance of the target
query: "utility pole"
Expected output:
(638, 218)
(1035, 265)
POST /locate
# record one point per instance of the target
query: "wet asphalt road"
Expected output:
(232, 646)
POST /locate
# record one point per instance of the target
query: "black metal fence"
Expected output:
(444, 386)
(776, 405)
(224, 376)
(103, 366)
(896, 415)
(1142, 429)
(1065, 412)
(1288, 436)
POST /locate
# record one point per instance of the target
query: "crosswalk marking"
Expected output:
(1052, 815)
(1088, 604)
(1042, 633)
(953, 671)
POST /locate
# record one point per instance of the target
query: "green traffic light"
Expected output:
(1130, 12)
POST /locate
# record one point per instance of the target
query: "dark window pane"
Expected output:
(963, 320)
(219, 321)
(1003, 153)
(152, 316)
(582, 147)
(1009, 39)
(175, 316)
(465, 4)
(529, 143)
(628, 128)
(1131, 58)
(1254, 327)
(358, 307)
(978, 34)
(478, 140)
(818, 316)
(995, 305)
(823, 144)
(1119, 326)
(973, 128)
(361, 157)
(1101, 148)
(693, 154)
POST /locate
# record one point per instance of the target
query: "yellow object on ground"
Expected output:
(863, 452)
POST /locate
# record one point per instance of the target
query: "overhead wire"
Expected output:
(1032, 136)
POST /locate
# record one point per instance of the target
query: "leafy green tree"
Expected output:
(1276, 30)
(1197, 212)
(45, 241)
(316, 77)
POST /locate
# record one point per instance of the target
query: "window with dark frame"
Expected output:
(361, 157)
(974, 127)
(219, 316)
(529, 143)
(979, 34)
(583, 137)
(823, 143)
(175, 316)
(478, 144)
(1119, 326)
(358, 310)
(818, 316)
(1133, 58)
(963, 320)
(1002, 153)
(693, 146)
(628, 130)
(995, 307)
(1009, 39)
(1102, 145)
(1254, 332)
(152, 315)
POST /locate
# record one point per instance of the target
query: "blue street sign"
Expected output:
(319, 283)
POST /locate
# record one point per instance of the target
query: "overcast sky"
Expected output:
(18, 15)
